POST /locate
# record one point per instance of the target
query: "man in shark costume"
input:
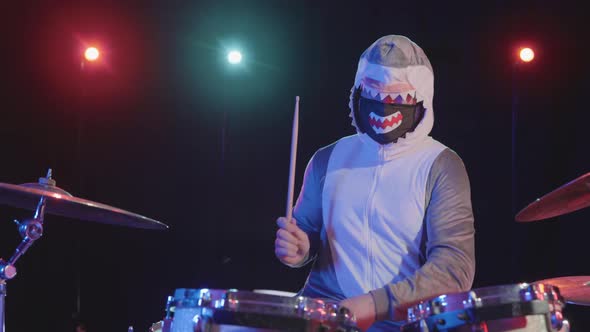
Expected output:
(385, 215)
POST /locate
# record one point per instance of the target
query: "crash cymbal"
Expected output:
(60, 202)
(570, 197)
(574, 289)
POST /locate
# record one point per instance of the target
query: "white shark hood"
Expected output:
(396, 70)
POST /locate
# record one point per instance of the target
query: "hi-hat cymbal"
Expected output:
(60, 202)
(570, 197)
(574, 289)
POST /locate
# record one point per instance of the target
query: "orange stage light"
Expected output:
(91, 54)
(526, 54)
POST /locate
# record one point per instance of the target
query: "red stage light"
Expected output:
(526, 54)
(91, 54)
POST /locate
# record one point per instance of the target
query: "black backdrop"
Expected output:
(144, 133)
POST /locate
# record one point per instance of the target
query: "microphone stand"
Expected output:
(30, 230)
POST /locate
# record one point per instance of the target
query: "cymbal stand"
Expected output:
(2, 295)
(30, 230)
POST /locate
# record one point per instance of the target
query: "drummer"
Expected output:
(384, 215)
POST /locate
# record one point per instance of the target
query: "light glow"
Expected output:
(234, 57)
(526, 54)
(91, 54)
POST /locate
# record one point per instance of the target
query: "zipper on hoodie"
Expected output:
(370, 266)
(373, 241)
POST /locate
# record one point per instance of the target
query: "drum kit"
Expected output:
(533, 306)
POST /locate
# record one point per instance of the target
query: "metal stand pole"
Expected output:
(516, 231)
(514, 138)
(2, 296)
(7, 272)
(30, 230)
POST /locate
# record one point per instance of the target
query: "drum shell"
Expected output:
(228, 310)
(518, 307)
(528, 323)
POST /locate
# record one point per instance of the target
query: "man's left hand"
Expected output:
(363, 308)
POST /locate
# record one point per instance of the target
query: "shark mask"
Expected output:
(385, 123)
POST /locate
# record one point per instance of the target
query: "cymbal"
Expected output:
(574, 289)
(570, 197)
(60, 202)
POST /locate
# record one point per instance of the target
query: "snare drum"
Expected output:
(517, 307)
(195, 310)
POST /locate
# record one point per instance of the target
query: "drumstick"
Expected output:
(290, 190)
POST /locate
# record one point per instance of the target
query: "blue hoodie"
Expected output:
(391, 220)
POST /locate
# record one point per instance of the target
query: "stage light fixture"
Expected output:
(234, 57)
(526, 54)
(91, 54)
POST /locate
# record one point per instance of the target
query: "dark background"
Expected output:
(142, 131)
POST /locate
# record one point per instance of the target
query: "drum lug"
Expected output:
(565, 326)
(205, 298)
(473, 301)
(344, 314)
(557, 320)
(424, 326)
(231, 300)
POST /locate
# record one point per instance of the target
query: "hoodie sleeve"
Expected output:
(308, 208)
(450, 247)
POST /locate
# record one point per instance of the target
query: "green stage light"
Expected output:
(234, 57)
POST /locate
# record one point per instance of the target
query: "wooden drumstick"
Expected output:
(294, 133)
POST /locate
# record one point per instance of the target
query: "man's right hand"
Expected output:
(291, 244)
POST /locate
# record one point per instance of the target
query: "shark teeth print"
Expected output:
(404, 98)
(383, 125)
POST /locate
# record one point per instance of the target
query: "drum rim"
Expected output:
(218, 294)
(484, 296)
(235, 300)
